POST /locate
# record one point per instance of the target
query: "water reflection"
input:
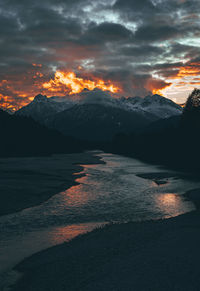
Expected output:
(66, 233)
(75, 197)
(108, 192)
(80, 194)
(13, 251)
(170, 203)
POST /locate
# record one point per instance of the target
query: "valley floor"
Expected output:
(154, 256)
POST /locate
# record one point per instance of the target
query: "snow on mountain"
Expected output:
(157, 105)
(151, 107)
(42, 107)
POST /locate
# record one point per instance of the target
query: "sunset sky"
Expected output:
(130, 47)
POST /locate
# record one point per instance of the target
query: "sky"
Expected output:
(130, 47)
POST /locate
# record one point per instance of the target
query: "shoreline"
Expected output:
(159, 178)
(150, 255)
(74, 171)
(32, 185)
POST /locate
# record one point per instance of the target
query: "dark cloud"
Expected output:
(151, 33)
(108, 32)
(127, 41)
(141, 50)
(136, 6)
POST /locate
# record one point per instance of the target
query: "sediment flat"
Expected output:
(160, 178)
(29, 181)
(143, 256)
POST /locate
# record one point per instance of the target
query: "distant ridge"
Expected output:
(98, 121)
(22, 136)
(97, 115)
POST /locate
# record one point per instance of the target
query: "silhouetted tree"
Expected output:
(176, 146)
(191, 114)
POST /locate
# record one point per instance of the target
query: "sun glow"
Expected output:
(160, 91)
(75, 85)
(181, 83)
(157, 91)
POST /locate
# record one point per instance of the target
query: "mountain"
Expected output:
(22, 136)
(96, 115)
(157, 105)
(164, 124)
(98, 121)
(42, 107)
(173, 142)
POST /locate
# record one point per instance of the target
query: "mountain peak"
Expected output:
(158, 95)
(155, 97)
(40, 98)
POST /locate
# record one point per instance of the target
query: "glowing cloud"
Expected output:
(182, 83)
(189, 71)
(76, 85)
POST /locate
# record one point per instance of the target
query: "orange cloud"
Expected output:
(74, 85)
(17, 90)
(38, 75)
(156, 86)
(37, 65)
(189, 71)
(186, 78)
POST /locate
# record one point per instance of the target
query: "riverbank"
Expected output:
(153, 255)
(29, 181)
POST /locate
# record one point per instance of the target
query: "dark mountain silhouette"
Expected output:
(21, 136)
(191, 114)
(110, 125)
(164, 124)
(173, 142)
(98, 121)
(97, 115)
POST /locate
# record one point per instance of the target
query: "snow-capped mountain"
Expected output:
(97, 115)
(157, 105)
(42, 107)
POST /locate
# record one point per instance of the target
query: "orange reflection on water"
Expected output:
(80, 194)
(76, 196)
(66, 233)
(169, 199)
(170, 203)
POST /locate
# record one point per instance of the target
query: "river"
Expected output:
(110, 192)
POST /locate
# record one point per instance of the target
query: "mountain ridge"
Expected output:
(99, 116)
(97, 122)
(42, 107)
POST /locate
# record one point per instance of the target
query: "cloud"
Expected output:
(151, 33)
(97, 97)
(136, 6)
(141, 50)
(106, 32)
(140, 44)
